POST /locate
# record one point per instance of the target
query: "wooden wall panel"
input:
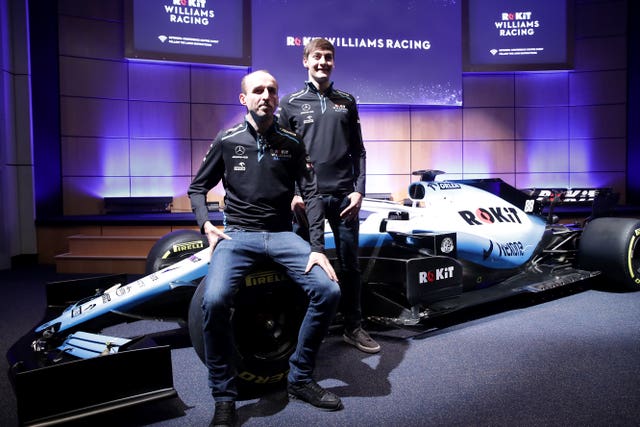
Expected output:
(169, 157)
(598, 87)
(181, 203)
(174, 186)
(605, 53)
(598, 121)
(95, 156)
(380, 124)
(209, 119)
(90, 38)
(111, 10)
(488, 123)
(148, 82)
(93, 78)
(385, 157)
(488, 157)
(615, 180)
(542, 123)
(396, 185)
(159, 120)
(216, 85)
(541, 89)
(94, 117)
(442, 155)
(598, 155)
(493, 90)
(85, 195)
(436, 124)
(542, 156)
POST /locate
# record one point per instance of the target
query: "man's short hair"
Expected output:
(243, 82)
(318, 44)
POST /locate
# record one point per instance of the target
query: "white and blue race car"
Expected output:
(450, 246)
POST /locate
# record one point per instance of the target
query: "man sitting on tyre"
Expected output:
(259, 165)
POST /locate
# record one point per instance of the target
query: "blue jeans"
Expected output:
(346, 234)
(230, 262)
(346, 237)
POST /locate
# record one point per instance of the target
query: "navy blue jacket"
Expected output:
(330, 127)
(259, 175)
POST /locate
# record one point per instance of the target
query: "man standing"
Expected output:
(260, 166)
(328, 121)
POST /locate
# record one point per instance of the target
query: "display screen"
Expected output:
(196, 31)
(404, 52)
(517, 35)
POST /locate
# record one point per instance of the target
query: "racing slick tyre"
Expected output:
(612, 246)
(266, 320)
(168, 250)
(267, 315)
(174, 247)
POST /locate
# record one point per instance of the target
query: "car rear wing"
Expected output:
(591, 202)
(586, 202)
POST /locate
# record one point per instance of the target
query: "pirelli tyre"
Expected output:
(173, 247)
(268, 312)
(168, 250)
(612, 246)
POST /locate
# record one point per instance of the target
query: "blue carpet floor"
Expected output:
(570, 361)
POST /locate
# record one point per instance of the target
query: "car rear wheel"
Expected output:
(174, 247)
(266, 321)
(612, 246)
(267, 315)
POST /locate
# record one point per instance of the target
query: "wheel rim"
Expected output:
(267, 334)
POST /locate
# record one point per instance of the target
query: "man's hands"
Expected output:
(324, 263)
(213, 234)
(297, 204)
(299, 211)
(351, 212)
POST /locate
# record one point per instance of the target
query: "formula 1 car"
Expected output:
(451, 245)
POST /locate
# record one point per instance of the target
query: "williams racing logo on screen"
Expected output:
(516, 24)
(364, 42)
(521, 25)
(192, 12)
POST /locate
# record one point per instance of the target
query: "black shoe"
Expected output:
(312, 393)
(361, 340)
(224, 415)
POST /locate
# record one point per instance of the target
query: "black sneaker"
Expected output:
(361, 340)
(315, 395)
(224, 415)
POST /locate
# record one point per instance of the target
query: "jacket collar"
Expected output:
(314, 89)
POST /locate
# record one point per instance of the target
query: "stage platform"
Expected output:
(110, 243)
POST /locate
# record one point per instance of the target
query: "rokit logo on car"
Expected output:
(491, 216)
(435, 275)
